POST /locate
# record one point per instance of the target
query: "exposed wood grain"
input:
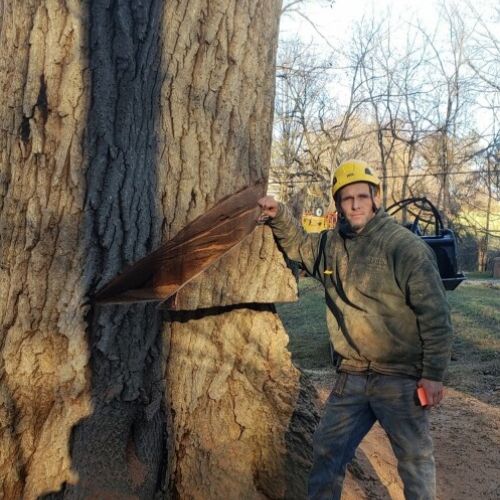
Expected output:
(240, 277)
(197, 246)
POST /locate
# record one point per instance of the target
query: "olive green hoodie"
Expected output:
(387, 309)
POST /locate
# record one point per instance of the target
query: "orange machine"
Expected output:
(319, 221)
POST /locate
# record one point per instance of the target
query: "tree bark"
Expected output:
(121, 122)
(228, 367)
(44, 378)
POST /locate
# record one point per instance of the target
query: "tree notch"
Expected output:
(200, 244)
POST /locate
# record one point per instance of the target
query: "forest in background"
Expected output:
(422, 105)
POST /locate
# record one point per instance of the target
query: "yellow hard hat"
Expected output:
(352, 171)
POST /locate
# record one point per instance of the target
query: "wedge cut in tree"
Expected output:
(201, 243)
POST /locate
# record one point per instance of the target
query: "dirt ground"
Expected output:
(466, 433)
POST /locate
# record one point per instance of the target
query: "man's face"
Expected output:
(356, 204)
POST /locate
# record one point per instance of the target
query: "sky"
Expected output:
(329, 24)
(333, 18)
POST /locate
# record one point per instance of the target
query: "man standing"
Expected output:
(389, 323)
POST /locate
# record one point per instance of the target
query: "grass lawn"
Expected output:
(475, 365)
(479, 275)
(305, 322)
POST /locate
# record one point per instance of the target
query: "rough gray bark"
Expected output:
(78, 202)
(230, 371)
(119, 448)
(121, 122)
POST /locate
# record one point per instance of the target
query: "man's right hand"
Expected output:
(269, 208)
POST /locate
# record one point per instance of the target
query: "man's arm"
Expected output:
(427, 298)
(295, 242)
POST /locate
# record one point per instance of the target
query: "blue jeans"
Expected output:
(350, 412)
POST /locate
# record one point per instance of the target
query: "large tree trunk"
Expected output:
(121, 122)
(228, 367)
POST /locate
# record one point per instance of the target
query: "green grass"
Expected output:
(478, 307)
(305, 322)
(475, 365)
(478, 275)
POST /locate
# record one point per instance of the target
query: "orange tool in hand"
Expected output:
(422, 396)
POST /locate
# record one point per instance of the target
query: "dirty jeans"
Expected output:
(364, 399)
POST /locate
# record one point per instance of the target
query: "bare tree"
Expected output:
(301, 80)
(310, 128)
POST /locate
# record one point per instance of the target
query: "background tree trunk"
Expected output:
(121, 122)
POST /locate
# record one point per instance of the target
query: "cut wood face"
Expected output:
(253, 272)
(200, 244)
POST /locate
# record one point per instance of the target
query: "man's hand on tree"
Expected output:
(269, 208)
(433, 389)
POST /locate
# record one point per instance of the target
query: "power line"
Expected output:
(460, 172)
(306, 181)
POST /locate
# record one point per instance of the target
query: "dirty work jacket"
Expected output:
(387, 309)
